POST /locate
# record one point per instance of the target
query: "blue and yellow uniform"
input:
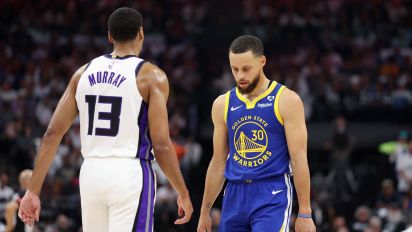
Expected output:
(258, 196)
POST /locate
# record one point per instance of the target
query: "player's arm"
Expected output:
(291, 109)
(215, 173)
(9, 215)
(154, 87)
(63, 117)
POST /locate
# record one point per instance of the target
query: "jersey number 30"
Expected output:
(113, 116)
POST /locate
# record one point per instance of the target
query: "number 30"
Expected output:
(258, 134)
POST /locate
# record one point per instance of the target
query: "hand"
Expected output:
(29, 210)
(304, 225)
(205, 223)
(185, 209)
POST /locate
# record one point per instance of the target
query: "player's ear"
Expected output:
(140, 34)
(109, 37)
(263, 60)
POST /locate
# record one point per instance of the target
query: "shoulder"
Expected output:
(152, 73)
(219, 109)
(151, 78)
(220, 101)
(79, 72)
(289, 102)
(290, 96)
(76, 76)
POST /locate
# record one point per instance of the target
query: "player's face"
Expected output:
(246, 68)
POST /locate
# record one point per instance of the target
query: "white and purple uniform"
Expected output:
(117, 183)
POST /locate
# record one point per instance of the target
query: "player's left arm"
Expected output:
(291, 110)
(63, 117)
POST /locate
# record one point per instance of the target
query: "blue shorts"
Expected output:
(257, 206)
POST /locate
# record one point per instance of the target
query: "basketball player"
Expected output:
(121, 102)
(264, 127)
(12, 207)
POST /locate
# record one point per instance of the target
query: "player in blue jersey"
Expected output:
(259, 140)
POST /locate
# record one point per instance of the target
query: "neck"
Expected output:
(125, 49)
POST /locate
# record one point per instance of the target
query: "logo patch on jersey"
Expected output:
(235, 108)
(250, 141)
(264, 105)
(271, 98)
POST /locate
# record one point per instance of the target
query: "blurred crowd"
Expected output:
(348, 58)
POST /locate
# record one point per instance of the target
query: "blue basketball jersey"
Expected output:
(257, 141)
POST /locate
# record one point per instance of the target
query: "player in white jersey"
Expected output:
(121, 101)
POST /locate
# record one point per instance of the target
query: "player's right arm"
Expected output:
(63, 117)
(154, 88)
(215, 173)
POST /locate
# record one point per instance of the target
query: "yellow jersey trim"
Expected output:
(283, 227)
(251, 104)
(227, 96)
(277, 112)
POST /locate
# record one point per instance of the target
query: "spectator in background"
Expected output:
(61, 224)
(9, 147)
(339, 222)
(16, 144)
(387, 196)
(340, 178)
(12, 221)
(394, 220)
(361, 218)
(396, 148)
(407, 202)
(191, 159)
(403, 167)
(6, 192)
(398, 154)
(375, 225)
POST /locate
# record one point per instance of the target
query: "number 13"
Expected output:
(113, 116)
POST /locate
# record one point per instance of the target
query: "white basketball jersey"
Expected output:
(113, 116)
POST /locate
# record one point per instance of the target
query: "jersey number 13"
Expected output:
(113, 116)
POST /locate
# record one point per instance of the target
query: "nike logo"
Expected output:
(276, 192)
(235, 108)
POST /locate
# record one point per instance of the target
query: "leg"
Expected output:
(94, 216)
(122, 214)
(131, 199)
(235, 216)
(94, 211)
(271, 210)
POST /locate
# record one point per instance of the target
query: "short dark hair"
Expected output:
(124, 24)
(246, 43)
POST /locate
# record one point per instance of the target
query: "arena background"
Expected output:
(350, 61)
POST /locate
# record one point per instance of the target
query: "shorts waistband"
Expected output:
(250, 181)
(114, 158)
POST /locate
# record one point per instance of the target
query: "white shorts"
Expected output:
(117, 194)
